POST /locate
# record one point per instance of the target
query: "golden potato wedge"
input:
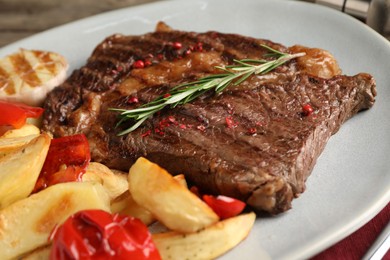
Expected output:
(26, 224)
(114, 184)
(117, 172)
(126, 205)
(172, 204)
(209, 243)
(8, 145)
(40, 253)
(119, 204)
(25, 130)
(181, 180)
(19, 170)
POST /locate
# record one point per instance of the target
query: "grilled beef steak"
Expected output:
(257, 141)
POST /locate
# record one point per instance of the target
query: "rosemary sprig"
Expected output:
(185, 93)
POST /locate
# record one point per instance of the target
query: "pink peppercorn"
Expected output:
(177, 45)
(307, 110)
(139, 64)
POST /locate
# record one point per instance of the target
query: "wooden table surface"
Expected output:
(22, 18)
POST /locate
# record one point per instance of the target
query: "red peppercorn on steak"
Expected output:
(257, 140)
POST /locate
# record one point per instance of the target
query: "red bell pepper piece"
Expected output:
(66, 161)
(16, 114)
(224, 207)
(96, 234)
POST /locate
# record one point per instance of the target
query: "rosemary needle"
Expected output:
(185, 93)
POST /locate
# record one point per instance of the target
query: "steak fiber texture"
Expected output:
(254, 141)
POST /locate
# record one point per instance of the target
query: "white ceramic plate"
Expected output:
(351, 181)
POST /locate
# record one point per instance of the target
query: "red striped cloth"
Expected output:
(356, 245)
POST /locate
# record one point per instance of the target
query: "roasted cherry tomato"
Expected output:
(16, 114)
(224, 207)
(96, 234)
(66, 161)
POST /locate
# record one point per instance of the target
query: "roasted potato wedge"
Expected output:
(8, 145)
(208, 243)
(117, 172)
(25, 130)
(181, 180)
(114, 184)
(26, 225)
(41, 253)
(171, 203)
(19, 170)
(126, 205)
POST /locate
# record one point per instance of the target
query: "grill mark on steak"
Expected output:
(266, 168)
